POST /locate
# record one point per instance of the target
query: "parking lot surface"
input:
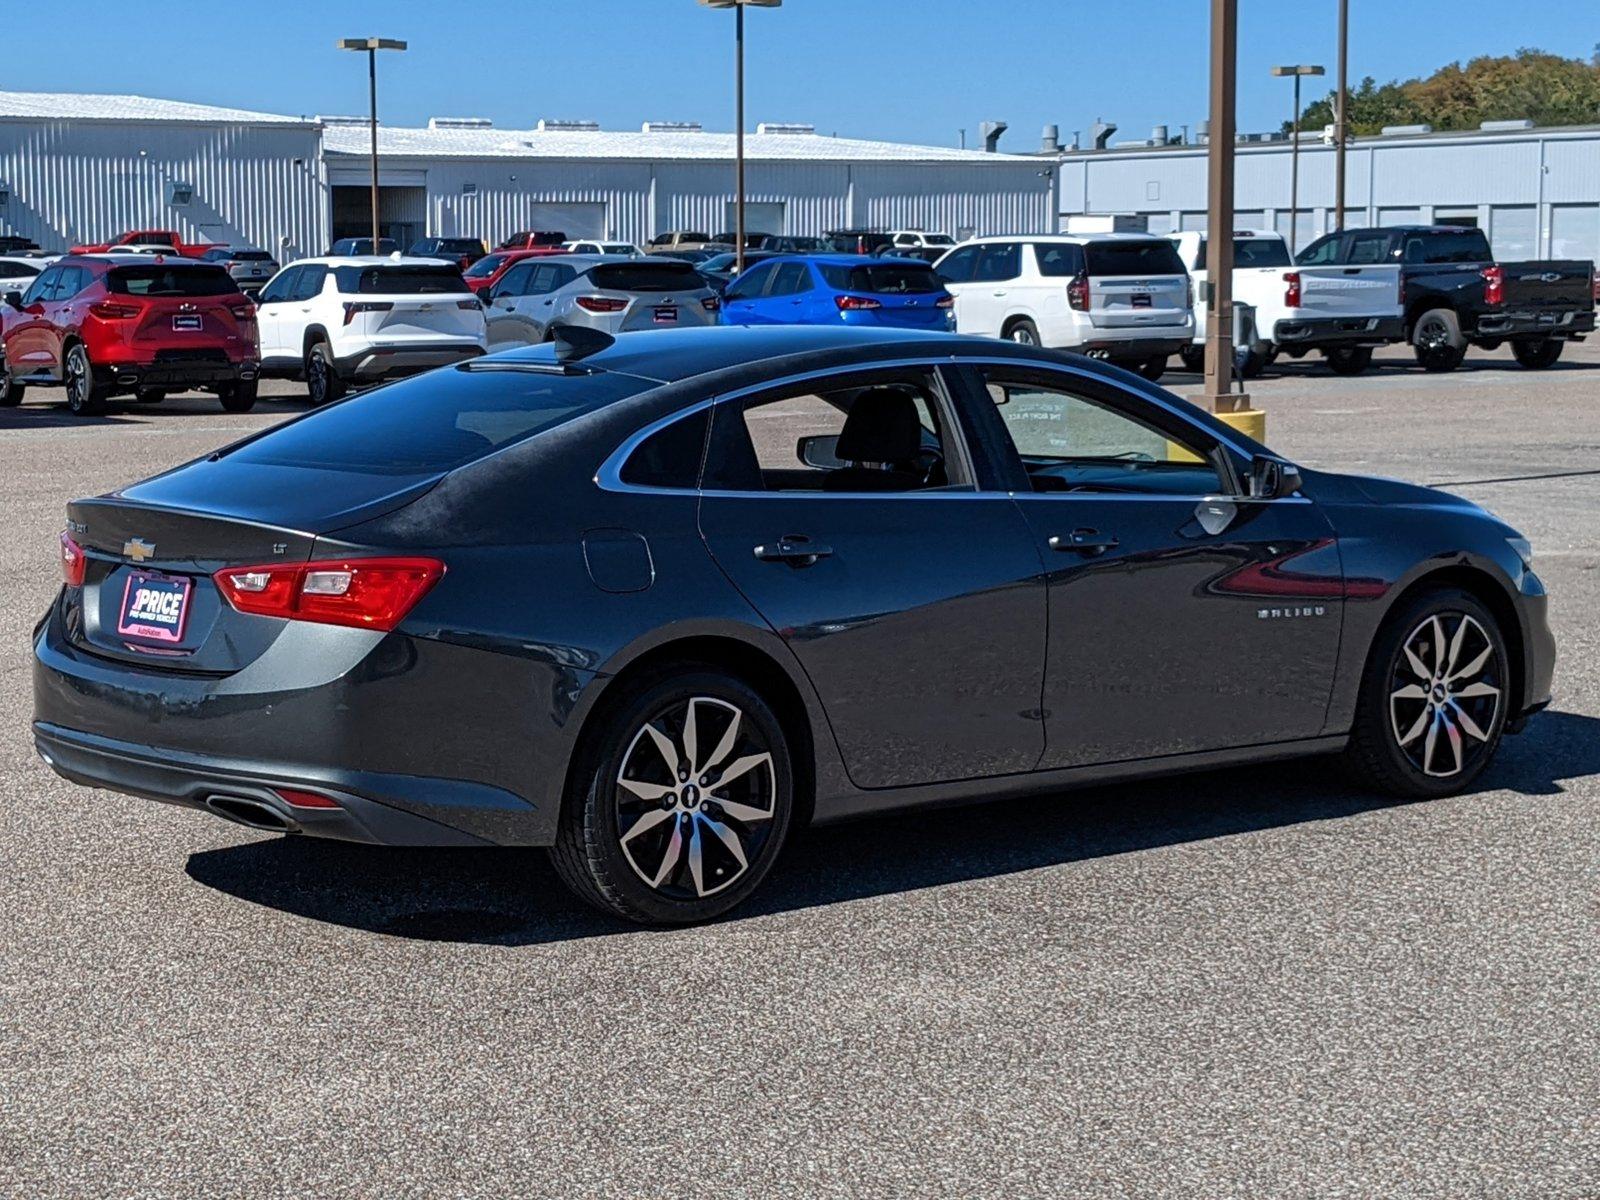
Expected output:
(1249, 983)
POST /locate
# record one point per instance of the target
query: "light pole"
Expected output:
(1341, 115)
(372, 46)
(1294, 148)
(738, 7)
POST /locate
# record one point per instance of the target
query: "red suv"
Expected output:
(532, 239)
(485, 273)
(109, 324)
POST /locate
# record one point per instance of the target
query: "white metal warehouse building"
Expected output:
(79, 168)
(1535, 191)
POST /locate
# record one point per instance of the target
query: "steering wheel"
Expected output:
(931, 463)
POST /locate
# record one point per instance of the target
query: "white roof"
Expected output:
(634, 144)
(79, 107)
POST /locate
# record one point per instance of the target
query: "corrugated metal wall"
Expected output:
(83, 181)
(504, 194)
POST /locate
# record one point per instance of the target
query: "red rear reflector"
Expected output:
(849, 303)
(299, 799)
(945, 302)
(110, 310)
(72, 561)
(601, 304)
(1292, 294)
(1494, 285)
(366, 593)
(710, 303)
(473, 303)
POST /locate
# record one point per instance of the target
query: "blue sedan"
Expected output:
(839, 289)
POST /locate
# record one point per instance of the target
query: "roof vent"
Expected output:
(1101, 133)
(1404, 130)
(338, 120)
(1050, 140)
(460, 123)
(797, 127)
(545, 126)
(1505, 126)
(991, 131)
(671, 127)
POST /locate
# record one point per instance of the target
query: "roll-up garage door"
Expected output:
(760, 216)
(576, 219)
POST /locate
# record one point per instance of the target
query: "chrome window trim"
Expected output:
(609, 475)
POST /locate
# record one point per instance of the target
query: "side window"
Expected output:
(1369, 248)
(1321, 253)
(1058, 258)
(42, 287)
(515, 281)
(661, 239)
(790, 279)
(751, 284)
(904, 239)
(998, 262)
(73, 280)
(882, 432)
(1073, 440)
(281, 287)
(670, 457)
(957, 266)
(309, 284)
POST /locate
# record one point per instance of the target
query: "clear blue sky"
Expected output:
(905, 70)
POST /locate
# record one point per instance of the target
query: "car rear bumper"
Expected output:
(1339, 331)
(175, 372)
(1136, 347)
(1545, 324)
(384, 362)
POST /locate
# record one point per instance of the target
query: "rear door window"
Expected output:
(1369, 248)
(401, 280)
(1154, 257)
(170, 280)
(1467, 246)
(789, 279)
(1250, 252)
(1321, 253)
(998, 262)
(669, 276)
(309, 285)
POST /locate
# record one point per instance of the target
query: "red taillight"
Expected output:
(945, 301)
(295, 798)
(243, 312)
(710, 303)
(601, 304)
(353, 307)
(72, 561)
(1078, 293)
(852, 303)
(468, 304)
(1291, 293)
(1594, 288)
(110, 310)
(1494, 285)
(367, 593)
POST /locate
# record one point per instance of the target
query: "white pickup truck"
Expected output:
(1343, 311)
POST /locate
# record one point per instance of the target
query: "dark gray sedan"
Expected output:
(654, 601)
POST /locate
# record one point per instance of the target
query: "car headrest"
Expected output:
(882, 427)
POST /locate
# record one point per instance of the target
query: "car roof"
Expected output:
(128, 259)
(368, 260)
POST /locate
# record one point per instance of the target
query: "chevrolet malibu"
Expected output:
(654, 601)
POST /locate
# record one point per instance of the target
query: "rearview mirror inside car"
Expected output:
(1272, 478)
(820, 451)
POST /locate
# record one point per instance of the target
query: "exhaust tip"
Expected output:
(244, 811)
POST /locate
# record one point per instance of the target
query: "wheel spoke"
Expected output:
(730, 839)
(670, 858)
(691, 740)
(1438, 644)
(742, 766)
(1466, 722)
(1477, 689)
(725, 746)
(1456, 643)
(1427, 746)
(1410, 691)
(653, 792)
(1417, 669)
(1454, 736)
(741, 812)
(669, 752)
(697, 869)
(1473, 667)
(647, 822)
(1415, 731)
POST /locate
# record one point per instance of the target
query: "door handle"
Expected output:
(795, 550)
(1087, 542)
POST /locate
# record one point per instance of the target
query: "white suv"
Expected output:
(338, 321)
(1119, 296)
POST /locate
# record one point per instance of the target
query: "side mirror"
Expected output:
(1272, 478)
(14, 299)
(820, 451)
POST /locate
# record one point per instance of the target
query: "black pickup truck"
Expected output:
(1454, 294)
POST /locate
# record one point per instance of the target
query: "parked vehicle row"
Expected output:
(610, 293)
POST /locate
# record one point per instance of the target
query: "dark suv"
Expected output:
(857, 241)
(463, 251)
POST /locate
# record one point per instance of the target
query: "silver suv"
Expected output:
(249, 268)
(608, 292)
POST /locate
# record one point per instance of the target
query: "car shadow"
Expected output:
(511, 897)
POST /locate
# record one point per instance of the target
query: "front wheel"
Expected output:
(1348, 360)
(10, 390)
(1437, 342)
(1193, 359)
(1434, 697)
(681, 803)
(1536, 353)
(85, 398)
(238, 397)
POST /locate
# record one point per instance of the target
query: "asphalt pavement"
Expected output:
(1254, 983)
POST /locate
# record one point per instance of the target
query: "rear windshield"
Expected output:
(251, 256)
(169, 280)
(461, 245)
(668, 276)
(399, 281)
(485, 266)
(1252, 252)
(435, 422)
(1467, 246)
(889, 278)
(1155, 257)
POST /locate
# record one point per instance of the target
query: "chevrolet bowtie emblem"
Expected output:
(138, 550)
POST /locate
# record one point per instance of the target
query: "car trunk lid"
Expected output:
(1555, 286)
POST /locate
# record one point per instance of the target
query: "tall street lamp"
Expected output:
(1297, 72)
(738, 88)
(1341, 115)
(372, 46)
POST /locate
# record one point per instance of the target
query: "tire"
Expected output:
(323, 384)
(632, 850)
(150, 395)
(1348, 360)
(85, 398)
(10, 391)
(1408, 745)
(1151, 368)
(1022, 331)
(1536, 353)
(1436, 340)
(1255, 362)
(239, 397)
(1193, 359)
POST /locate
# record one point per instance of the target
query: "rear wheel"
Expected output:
(238, 397)
(1256, 360)
(84, 397)
(1536, 353)
(1193, 358)
(1022, 331)
(680, 803)
(1151, 368)
(1348, 360)
(1434, 697)
(323, 384)
(1437, 342)
(10, 390)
